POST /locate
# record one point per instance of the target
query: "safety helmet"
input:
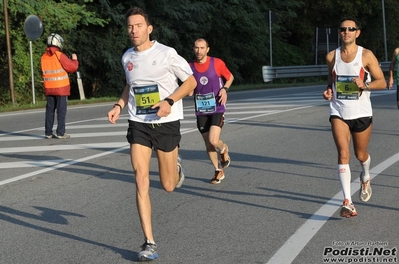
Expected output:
(55, 40)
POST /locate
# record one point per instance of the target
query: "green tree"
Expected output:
(328, 13)
(71, 14)
(237, 32)
(100, 49)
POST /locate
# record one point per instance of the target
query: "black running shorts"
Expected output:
(163, 136)
(204, 122)
(356, 125)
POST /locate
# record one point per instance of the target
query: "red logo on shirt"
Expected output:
(130, 66)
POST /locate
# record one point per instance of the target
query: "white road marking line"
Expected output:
(109, 145)
(294, 245)
(31, 163)
(62, 165)
(11, 137)
(24, 176)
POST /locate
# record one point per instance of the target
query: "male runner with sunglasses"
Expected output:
(348, 90)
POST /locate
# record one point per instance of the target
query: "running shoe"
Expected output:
(63, 136)
(219, 176)
(224, 157)
(347, 209)
(49, 136)
(148, 251)
(181, 172)
(365, 191)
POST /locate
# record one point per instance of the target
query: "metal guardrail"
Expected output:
(270, 73)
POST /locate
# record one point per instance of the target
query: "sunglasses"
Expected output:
(350, 29)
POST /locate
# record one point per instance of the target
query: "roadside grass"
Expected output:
(42, 104)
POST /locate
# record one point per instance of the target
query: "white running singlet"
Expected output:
(346, 102)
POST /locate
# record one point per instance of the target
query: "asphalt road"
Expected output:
(73, 200)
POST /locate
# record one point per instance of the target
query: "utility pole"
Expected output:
(385, 31)
(10, 69)
(271, 18)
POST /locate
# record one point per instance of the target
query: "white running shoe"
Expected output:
(365, 191)
(181, 172)
(347, 209)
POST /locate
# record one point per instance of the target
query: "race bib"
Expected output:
(346, 88)
(205, 103)
(145, 97)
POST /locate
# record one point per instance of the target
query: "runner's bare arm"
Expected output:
(328, 93)
(185, 88)
(114, 113)
(371, 63)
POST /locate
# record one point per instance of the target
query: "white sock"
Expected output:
(365, 176)
(344, 175)
(150, 242)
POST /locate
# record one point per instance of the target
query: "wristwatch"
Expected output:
(170, 101)
(367, 84)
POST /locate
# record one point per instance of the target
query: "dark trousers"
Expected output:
(58, 103)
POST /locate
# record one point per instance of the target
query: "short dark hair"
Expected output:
(199, 39)
(138, 11)
(350, 19)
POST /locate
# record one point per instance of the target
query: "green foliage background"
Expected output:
(237, 31)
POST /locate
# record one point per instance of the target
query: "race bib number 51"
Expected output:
(145, 97)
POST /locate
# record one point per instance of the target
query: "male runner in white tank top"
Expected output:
(348, 89)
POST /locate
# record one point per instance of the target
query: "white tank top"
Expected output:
(346, 102)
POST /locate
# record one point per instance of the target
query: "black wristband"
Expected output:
(119, 106)
(170, 101)
(226, 89)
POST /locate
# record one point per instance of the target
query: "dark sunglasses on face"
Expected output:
(350, 29)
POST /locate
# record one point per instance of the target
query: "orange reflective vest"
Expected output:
(56, 79)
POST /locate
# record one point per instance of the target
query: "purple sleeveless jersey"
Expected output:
(208, 82)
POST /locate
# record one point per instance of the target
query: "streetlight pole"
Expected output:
(271, 18)
(10, 69)
(270, 38)
(385, 32)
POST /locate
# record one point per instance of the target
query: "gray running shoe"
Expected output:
(63, 136)
(365, 191)
(148, 251)
(181, 172)
(49, 136)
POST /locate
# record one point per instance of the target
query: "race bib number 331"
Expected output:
(145, 97)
